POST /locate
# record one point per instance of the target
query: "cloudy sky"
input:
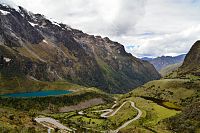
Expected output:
(144, 27)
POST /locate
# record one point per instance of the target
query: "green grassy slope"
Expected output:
(152, 115)
(172, 90)
(165, 104)
(15, 121)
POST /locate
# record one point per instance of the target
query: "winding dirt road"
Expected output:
(130, 121)
(111, 112)
(47, 122)
(108, 111)
(105, 115)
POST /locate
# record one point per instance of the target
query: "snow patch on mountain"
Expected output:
(33, 24)
(7, 59)
(55, 23)
(45, 41)
(4, 12)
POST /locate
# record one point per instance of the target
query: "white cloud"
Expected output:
(167, 44)
(104, 17)
(173, 26)
(148, 27)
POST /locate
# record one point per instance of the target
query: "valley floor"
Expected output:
(52, 123)
(157, 107)
(123, 116)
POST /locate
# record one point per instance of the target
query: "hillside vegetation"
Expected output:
(175, 99)
(165, 102)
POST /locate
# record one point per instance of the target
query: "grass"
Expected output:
(169, 90)
(161, 100)
(160, 114)
(88, 122)
(92, 120)
(90, 111)
(152, 117)
(33, 107)
(14, 121)
(74, 120)
(127, 112)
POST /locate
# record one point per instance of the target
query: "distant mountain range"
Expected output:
(164, 61)
(31, 46)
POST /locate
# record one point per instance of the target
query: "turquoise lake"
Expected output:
(39, 93)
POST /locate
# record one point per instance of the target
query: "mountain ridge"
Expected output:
(44, 50)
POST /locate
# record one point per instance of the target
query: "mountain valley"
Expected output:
(109, 90)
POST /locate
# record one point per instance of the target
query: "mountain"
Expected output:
(33, 47)
(191, 64)
(164, 61)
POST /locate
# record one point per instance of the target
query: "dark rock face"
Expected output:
(31, 45)
(164, 61)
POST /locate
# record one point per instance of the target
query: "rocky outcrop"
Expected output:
(50, 51)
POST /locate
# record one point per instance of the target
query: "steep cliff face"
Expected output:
(33, 46)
